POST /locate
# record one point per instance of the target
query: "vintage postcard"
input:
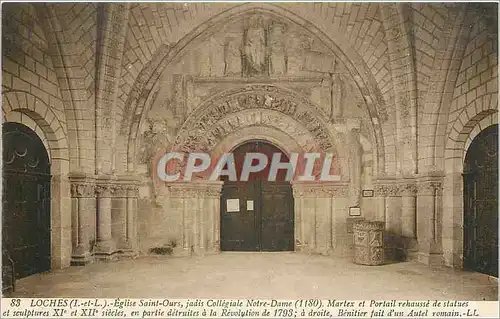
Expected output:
(249, 159)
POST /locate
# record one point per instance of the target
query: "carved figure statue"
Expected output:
(255, 48)
(232, 56)
(277, 48)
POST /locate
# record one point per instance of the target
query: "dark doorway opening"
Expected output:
(26, 201)
(257, 215)
(481, 203)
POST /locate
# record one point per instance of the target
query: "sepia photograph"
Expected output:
(249, 159)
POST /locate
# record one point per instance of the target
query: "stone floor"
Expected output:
(259, 275)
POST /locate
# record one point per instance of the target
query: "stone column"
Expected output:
(408, 219)
(124, 215)
(380, 192)
(201, 216)
(304, 217)
(320, 217)
(131, 220)
(105, 245)
(212, 229)
(428, 222)
(83, 207)
(389, 212)
(355, 166)
(119, 216)
(392, 233)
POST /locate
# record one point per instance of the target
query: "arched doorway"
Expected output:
(26, 200)
(481, 203)
(257, 215)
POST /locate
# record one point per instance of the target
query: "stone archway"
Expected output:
(461, 136)
(280, 112)
(24, 108)
(146, 85)
(278, 116)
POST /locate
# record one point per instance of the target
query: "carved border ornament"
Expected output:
(194, 192)
(193, 134)
(430, 188)
(322, 191)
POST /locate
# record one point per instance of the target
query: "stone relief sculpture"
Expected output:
(232, 55)
(355, 160)
(321, 94)
(278, 63)
(158, 132)
(296, 45)
(217, 63)
(338, 93)
(254, 48)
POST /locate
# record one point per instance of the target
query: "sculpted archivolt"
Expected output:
(193, 134)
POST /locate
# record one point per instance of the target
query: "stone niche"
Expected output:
(252, 52)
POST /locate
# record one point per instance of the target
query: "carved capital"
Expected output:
(132, 191)
(386, 190)
(430, 188)
(104, 190)
(82, 190)
(119, 190)
(409, 189)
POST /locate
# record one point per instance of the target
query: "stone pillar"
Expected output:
(428, 222)
(83, 207)
(124, 217)
(355, 167)
(320, 218)
(408, 220)
(298, 221)
(119, 216)
(389, 212)
(105, 245)
(131, 220)
(392, 234)
(379, 199)
(453, 223)
(200, 217)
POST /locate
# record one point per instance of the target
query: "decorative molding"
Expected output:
(132, 191)
(194, 133)
(386, 190)
(409, 189)
(90, 186)
(82, 190)
(430, 188)
(104, 190)
(321, 190)
(192, 190)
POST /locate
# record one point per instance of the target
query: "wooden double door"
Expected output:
(481, 203)
(25, 201)
(257, 215)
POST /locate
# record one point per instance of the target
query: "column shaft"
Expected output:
(105, 246)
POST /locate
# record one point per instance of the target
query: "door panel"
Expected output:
(239, 230)
(481, 203)
(26, 200)
(269, 226)
(277, 217)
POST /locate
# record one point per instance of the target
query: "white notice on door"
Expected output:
(233, 205)
(249, 204)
